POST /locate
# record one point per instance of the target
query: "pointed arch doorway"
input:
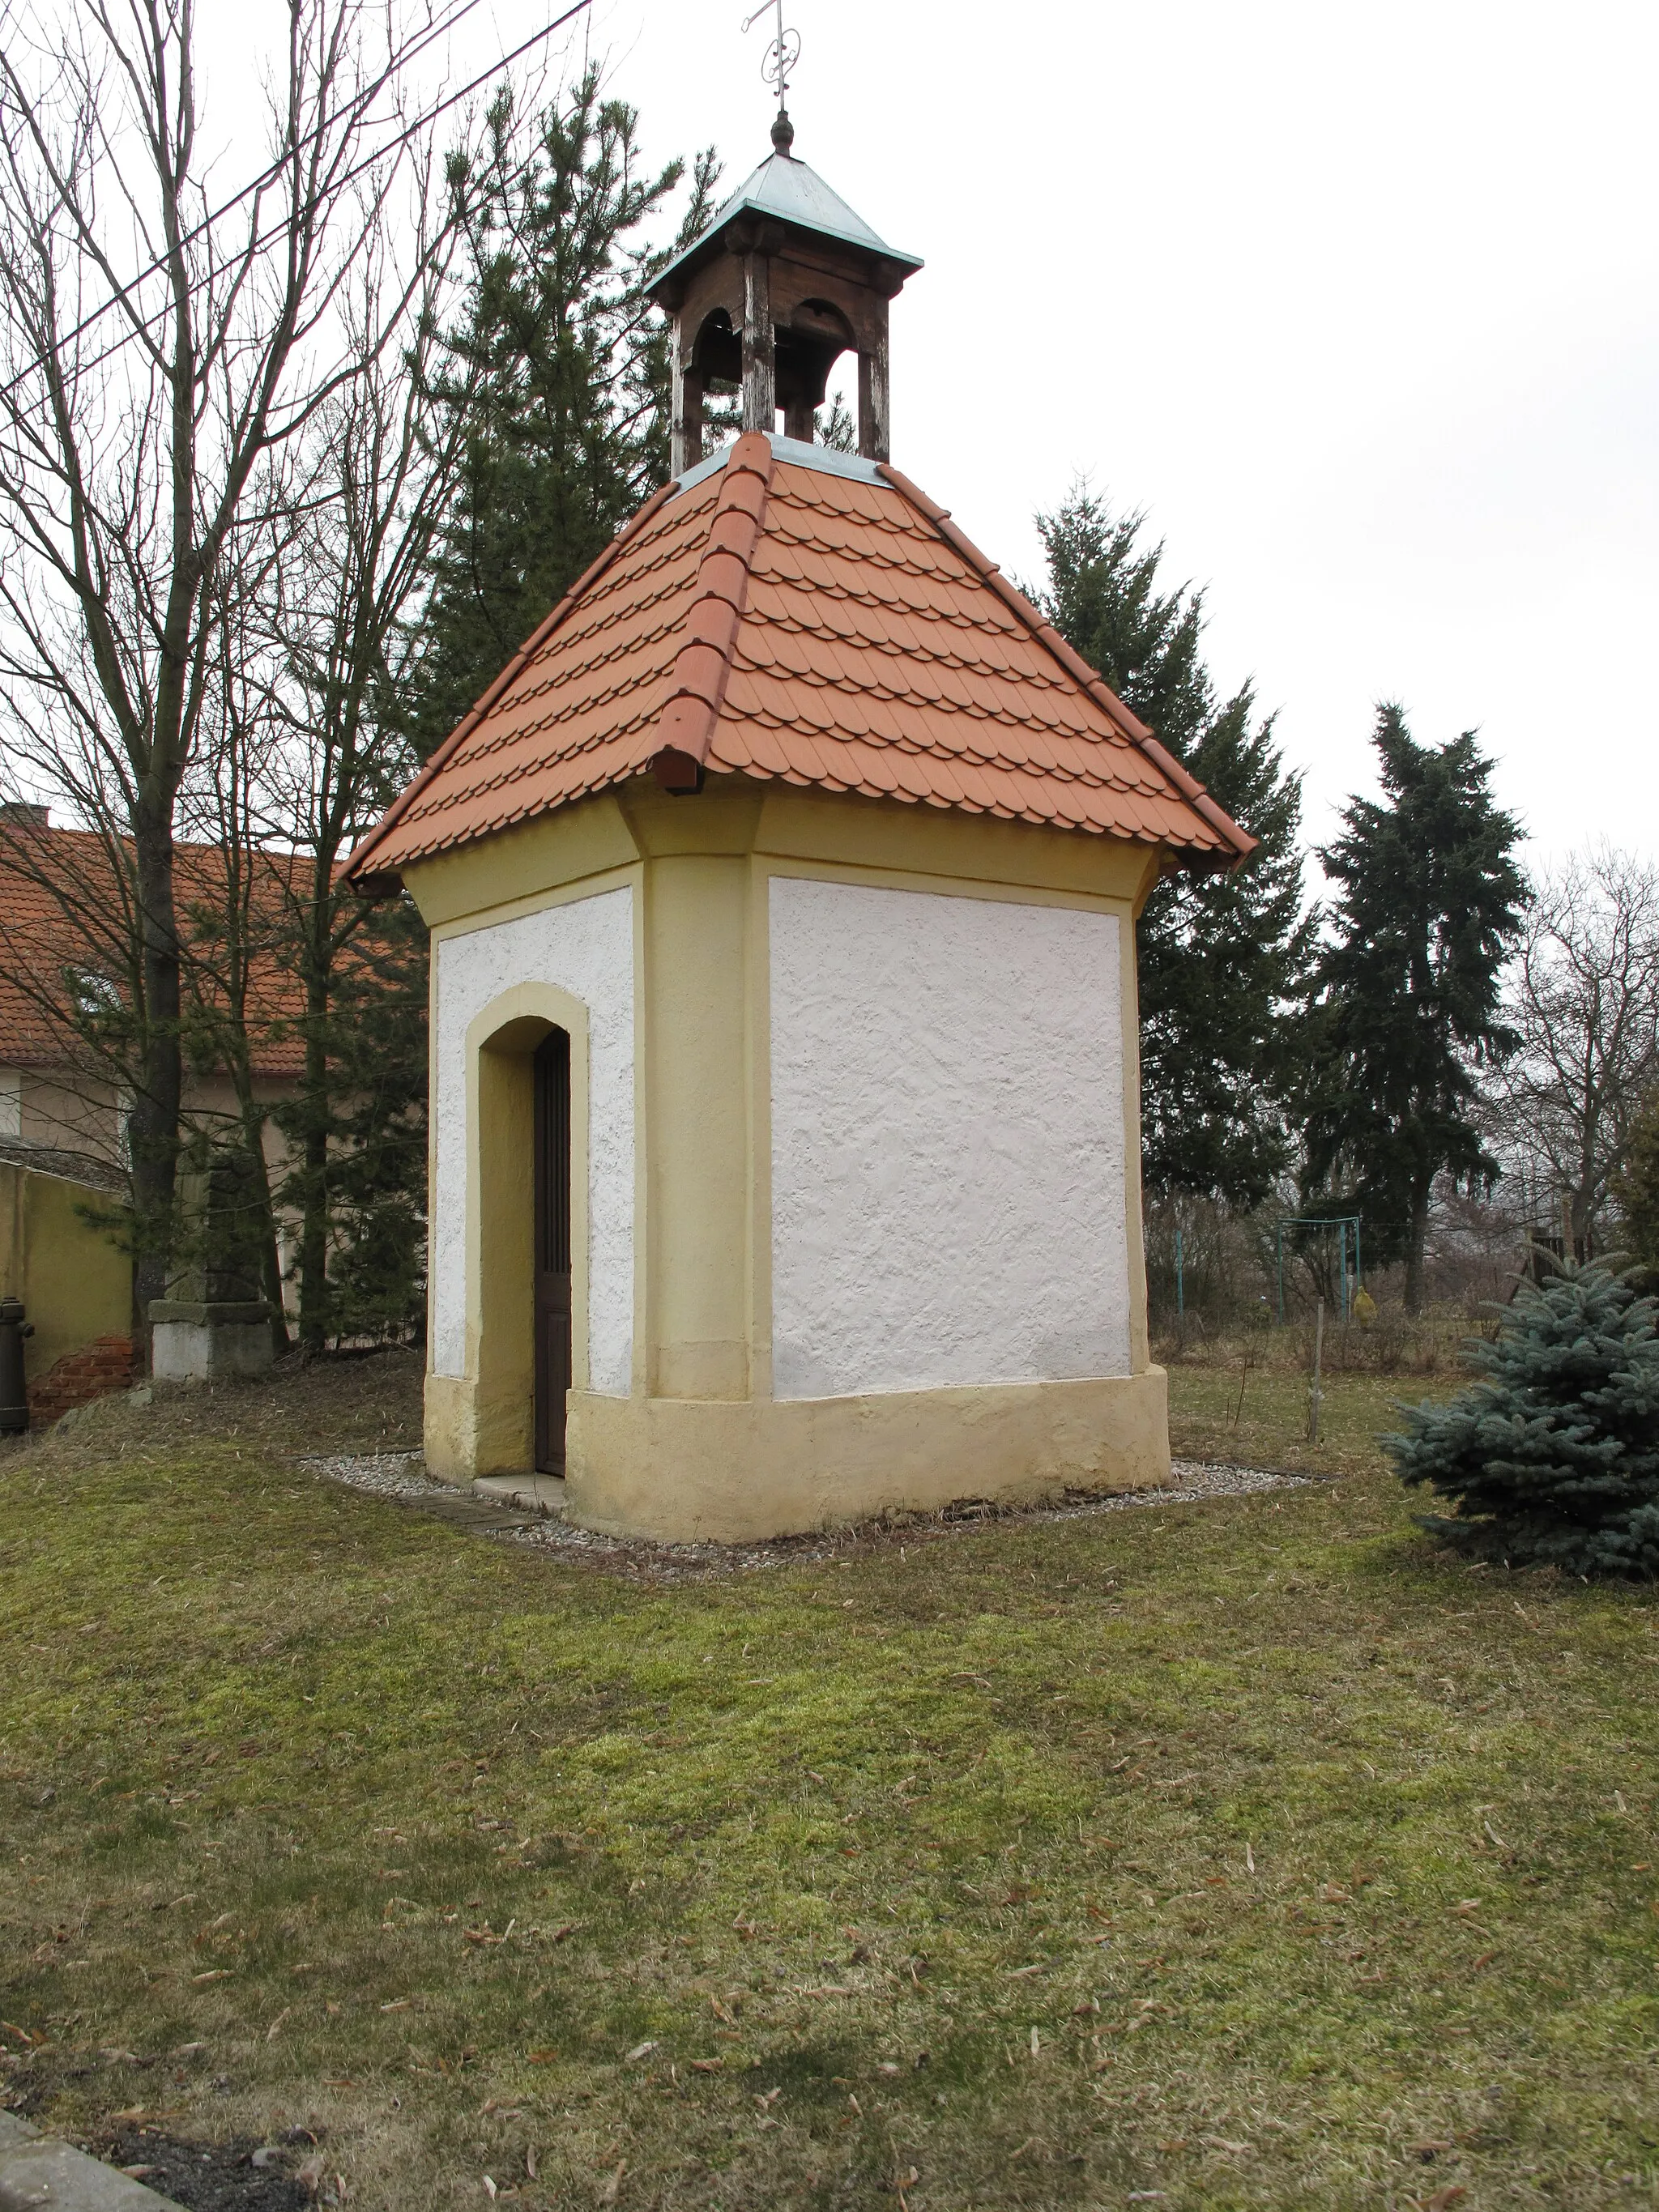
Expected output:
(552, 1249)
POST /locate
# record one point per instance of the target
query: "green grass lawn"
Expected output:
(1234, 1854)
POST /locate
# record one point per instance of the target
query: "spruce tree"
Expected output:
(1553, 1459)
(1636, 1187)
(1222, 956)
(560, 372)
(1428, 902)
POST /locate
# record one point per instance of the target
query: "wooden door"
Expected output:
(552, 1242)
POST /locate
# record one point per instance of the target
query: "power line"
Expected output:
(269, 175)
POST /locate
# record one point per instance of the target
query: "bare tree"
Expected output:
(1584, 996)
(382, 462)
(157, 354)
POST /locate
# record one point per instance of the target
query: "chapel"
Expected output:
(782, 890)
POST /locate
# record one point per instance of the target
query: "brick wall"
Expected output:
(105, 1364)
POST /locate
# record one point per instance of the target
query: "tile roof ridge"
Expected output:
(1240, 841)
(349, 868)
(679, 745)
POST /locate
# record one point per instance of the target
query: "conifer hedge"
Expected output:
(1553, 1459)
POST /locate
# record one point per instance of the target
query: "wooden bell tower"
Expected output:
(785, 280)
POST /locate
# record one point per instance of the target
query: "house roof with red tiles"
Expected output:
(64, 901)
(789, 613)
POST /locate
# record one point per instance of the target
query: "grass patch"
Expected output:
(1247, 1852)
(1257, 1416)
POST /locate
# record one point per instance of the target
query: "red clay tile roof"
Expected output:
(779, 620)
(62, 904)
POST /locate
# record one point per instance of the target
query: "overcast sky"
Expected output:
(1358, 304)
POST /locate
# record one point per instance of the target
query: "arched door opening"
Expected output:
(552, 1247)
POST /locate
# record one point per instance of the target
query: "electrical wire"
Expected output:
(276, 168)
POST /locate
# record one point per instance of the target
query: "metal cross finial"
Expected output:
(781, 54)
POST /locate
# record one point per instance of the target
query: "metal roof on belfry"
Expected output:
(789, 191)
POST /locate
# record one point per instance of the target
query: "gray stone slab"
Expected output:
(42, 2173)
(528, 1493)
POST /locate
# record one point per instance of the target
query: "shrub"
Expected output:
(1553, 1458)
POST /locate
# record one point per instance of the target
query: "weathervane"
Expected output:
(781, 54)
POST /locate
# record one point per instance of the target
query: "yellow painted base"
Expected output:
(470, 1432)
(682, 1470)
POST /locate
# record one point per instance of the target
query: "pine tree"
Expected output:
(1553, 1459)
(1222, 957)
(1429, 900)
(560, 371)
(376, 1276)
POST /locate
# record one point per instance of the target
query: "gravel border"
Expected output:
(401, 1478)
(383, 1474)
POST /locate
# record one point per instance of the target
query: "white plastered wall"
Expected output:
(587, 948)
(11, 1101)
(947, 1141)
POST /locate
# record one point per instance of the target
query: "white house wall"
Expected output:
(585, 948)
(947, 1142)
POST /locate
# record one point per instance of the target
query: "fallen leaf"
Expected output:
(612, 2188)
(490, 2190)
(639, 2051)
(140, 2173)
(1222, 2142)
(276, 2027)
(530, 2162)
(397, 2004)
(1443, 2197)
(542, 2058)
(214, 1974)
(707, 2065)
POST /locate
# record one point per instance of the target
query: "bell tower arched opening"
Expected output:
(785, 279)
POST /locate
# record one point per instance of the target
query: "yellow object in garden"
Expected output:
(1364, 1307)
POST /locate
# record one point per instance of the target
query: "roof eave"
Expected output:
(709, 243)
